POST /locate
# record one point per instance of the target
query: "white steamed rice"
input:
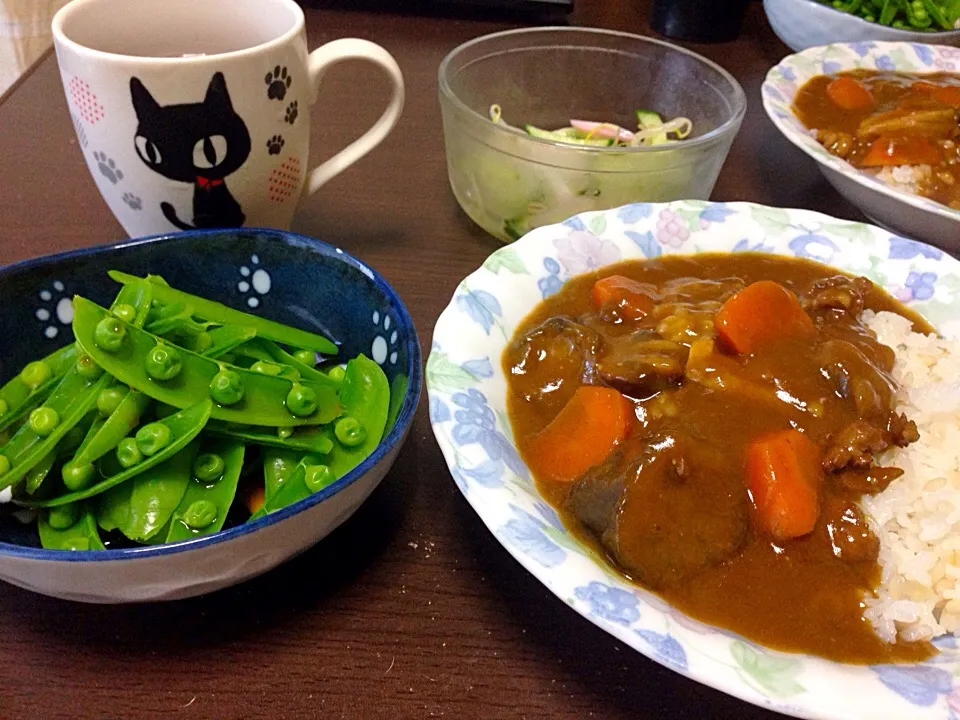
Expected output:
(917, 518)
(906, 178)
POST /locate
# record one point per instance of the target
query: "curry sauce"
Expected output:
(669, 505)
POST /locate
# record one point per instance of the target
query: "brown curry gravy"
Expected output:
(799, 597)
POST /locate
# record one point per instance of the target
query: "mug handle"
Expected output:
(317, 64)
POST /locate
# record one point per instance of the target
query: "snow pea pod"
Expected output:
(22, 393)
(70, 401)
(278, 465)
(35, 477)
(114, 429)
(264, 349)
(398, 391)
(81, 535)
(142, 508)
(365, 395)
(221, 314)
(226, 338)
(297, 485)
(304, 439)
(179, 321)
(205, 504)
(183, 427)
(39, 472)
(243, 396)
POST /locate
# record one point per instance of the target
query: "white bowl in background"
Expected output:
(903, 212)
(803, 24)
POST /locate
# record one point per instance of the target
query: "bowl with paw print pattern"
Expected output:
(273, 275)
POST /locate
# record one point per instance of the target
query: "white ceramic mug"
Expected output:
(194, 113)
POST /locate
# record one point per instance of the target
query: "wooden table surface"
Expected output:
(411, 609)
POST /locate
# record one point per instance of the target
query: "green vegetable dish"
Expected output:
(171, 416)
(915, 15)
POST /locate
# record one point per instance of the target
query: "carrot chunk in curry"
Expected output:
(761, 313)
(588, 428)
(715, 446)
(783, 477)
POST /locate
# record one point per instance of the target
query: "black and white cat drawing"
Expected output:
(199, 143)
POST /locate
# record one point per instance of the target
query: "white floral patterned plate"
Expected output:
(467, 391)
(907, 213)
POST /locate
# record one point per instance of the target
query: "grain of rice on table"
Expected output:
(917, 518)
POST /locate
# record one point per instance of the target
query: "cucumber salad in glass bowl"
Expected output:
(515, 158)
(552, 201)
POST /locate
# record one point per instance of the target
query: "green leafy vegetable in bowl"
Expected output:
(915, 15)
(162, 421)
(651, 130)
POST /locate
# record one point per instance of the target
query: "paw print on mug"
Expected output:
(275, 144)
(277, 83)
(292, 112)
(133, 201)
(108, 168)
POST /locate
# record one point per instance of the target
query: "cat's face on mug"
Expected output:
(193, 140)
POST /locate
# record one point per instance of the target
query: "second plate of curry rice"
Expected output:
(728, 435)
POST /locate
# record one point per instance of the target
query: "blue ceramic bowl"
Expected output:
(279, 275)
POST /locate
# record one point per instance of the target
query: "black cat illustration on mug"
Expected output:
(199, 143)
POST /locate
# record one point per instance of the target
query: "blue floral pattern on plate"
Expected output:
(467, 391)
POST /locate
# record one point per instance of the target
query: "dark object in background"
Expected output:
(699, 20)
(526, 11)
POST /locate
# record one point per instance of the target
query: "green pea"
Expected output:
(301, 400)
(128, 454)
(208, 467)
(350, 432)
(36, 374)
(200, 514)
(284, 432)
(266, 368)
(109, 400)
(163, 363)
(109, 334)
(307, 357)
(126, 312)
(4, 465)
(88, 369)
(153, 438)
(43, 421)
(337, 373)
(318, 477)
(76, 543)
(78, 477)
(203, 342)
(63, 517)
(3, 407)
(226, 387)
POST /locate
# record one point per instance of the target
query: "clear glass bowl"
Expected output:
(509, 182)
